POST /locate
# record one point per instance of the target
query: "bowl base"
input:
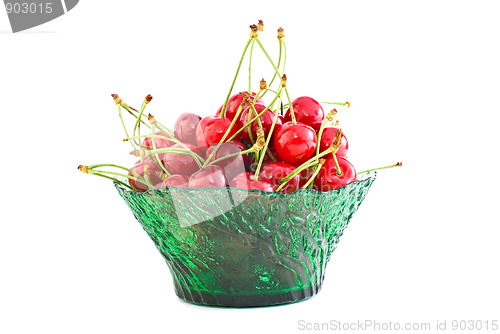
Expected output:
(227, 300)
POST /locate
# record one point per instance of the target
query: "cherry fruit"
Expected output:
(211, 129)
(159, 142)
(209, 176)
(295, 143)
(177, 163)
(327, 139)
(266, 120)
(245, 181)
(185, 128)
(140, 167)
(327, 178)
(275, 171)
(233, 165)
(175, 180)
(234, 103)
(308, 111)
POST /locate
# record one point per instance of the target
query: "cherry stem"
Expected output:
(284, 60)
(139, 118)
(336, 103)
(114, 179)
(250, 68)
(325, 122)
(292, 114)
(252, 120)
(223, 111)
(266, 145)
(184, 151)
(90, 170)
(345, 105)
(133, 112)
(250, 150)
(271, 155)
(91, 167)
(268, 57)
(316, 171)
(125, 106)
(279, 61)
(337, 166)
(123, 124)
(265, 91)
(163, 129)
(256, 115)
(311, 162)
(157, 158)
(290, 176)
(398, 164)
(278, 73)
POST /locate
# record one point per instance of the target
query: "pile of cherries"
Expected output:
(197, 156)
(245, 144)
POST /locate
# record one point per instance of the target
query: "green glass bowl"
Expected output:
(239, 248)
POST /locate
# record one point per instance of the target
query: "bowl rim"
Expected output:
(366, 176)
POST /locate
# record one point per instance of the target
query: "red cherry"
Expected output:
(308, 111)
(234, 165)
(160, 142)
(266, 119)
(175, 180)
(139, 167)
(185, 128)
(245, 181)
(234, 103)
(327, 178)
(177, 163)
(275, 171)
(295, 143)
(211, 129)
(327, 139)
(209, 176)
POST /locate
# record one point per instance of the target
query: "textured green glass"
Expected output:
(232, 247)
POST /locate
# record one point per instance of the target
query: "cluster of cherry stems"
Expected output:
(245, 144)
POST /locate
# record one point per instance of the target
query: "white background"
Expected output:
(423, 80)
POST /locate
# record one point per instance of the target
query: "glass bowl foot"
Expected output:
(255, 300)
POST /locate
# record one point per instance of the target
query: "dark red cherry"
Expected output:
(295, 143)
(266, 119)
(308, 111)
(175, 180)
(210, 177)
(234, 165)
(177, 163)
(139, 167)
(327, 139)
(327, 178)
(275, 171)
(160, 142)
(245, 181)
(267, 157)
(185, 128)
(211, 129)
(234, 103)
